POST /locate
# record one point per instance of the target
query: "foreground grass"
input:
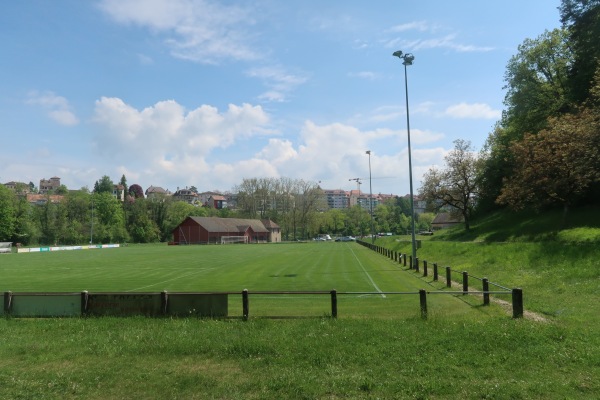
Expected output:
(111, 358)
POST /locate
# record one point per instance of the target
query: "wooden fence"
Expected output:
(516, 293)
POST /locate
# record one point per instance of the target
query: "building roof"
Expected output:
(270, 224)
(228, 225)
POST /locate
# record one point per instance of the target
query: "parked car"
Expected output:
(345, 239)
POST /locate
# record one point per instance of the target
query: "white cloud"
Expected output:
(203, 31)
(166, 138)
(56, 107)
(421, 26)
(363, 75)
(475, 110)
(279, 81)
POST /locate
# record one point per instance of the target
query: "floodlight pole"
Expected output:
(371, 199)
(92, 225)
(408, 60)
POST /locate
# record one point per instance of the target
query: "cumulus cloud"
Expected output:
(474, 110)
(203, 31)
(56, 107)
(169, 138)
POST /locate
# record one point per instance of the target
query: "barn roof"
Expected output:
(228, 225)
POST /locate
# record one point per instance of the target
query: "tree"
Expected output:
(537, 84)
(581, 19)
(123, 182)
(136, 191)
(7, 214)
(104, 185)
(456, 185)
(557, 166)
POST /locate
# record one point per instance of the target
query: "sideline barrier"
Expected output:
(114, 304)
(62, 248)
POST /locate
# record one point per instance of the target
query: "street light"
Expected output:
(407, 59)
(371, 199)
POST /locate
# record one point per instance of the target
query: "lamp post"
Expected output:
(92, 222)
(407, 59)
(371, 199)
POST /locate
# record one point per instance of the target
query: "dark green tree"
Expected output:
(7, 214)
(581, 19)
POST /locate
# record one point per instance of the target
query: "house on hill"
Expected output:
(213, 230)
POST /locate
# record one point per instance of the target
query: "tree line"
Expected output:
(299, 207)
(545, 150)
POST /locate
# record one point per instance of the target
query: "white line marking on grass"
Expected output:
(169, 280)
(366, 273)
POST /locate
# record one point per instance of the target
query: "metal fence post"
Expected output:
(424, 268)
(517, 300)
(435, 272)
(334, 303)
(448, 277)
(417, 264)
(465, 276)
(245, 305)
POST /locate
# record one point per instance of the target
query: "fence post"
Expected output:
(7, 302)
(424, 268)
(417, 264)
(435, 272)
(465, 275)
(410, 261)
(84, 302)
(423, 301)
(334, 303)
(164, 302)
(448, 277)
(245, 305)
(486, 289)
(404, 258)
(517, 300)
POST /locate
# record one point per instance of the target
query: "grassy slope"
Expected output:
(464, 355)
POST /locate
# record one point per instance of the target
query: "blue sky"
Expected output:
(176, 93)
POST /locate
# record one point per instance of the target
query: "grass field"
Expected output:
(320, 266)
(379, 347)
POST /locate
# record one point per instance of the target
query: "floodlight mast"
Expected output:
(408, 60)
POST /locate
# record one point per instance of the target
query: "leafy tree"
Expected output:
(558, 165)
(536, 82)
(581, 19)
(136, 191)
(537, 88)
(7, 214)
(61, 190)
(142, 229)
(456, 185)
(104, 185)
(110, 225)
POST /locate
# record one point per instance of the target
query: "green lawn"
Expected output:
(320, 266)
(378, 348)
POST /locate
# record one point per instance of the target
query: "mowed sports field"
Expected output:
(315, 266)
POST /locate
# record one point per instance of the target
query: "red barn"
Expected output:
(204, 230)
